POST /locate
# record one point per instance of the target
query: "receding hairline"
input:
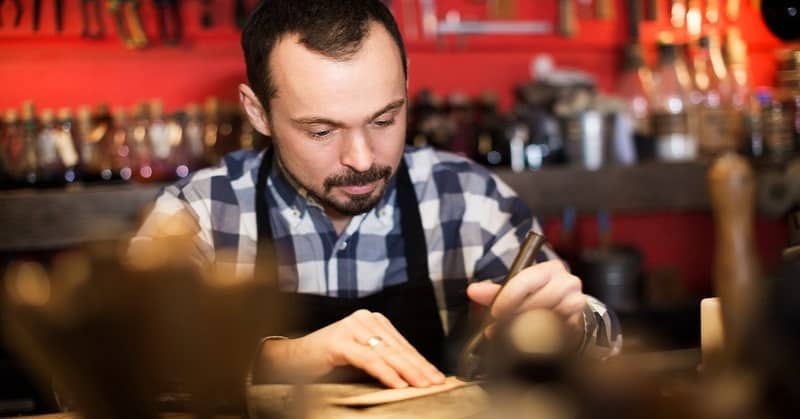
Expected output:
(349, 54)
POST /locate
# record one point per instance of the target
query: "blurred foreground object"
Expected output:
(736, 270)
(121, 336)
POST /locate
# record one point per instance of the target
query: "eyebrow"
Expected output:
(397, 104)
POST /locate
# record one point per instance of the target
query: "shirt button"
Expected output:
(295, 212)
(343, 245)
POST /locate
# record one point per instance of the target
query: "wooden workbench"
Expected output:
(266, 400)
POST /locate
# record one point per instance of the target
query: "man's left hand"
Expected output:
(547, 285)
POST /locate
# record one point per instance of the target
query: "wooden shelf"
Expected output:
(641, 188)
(35, 219)
(51, 218)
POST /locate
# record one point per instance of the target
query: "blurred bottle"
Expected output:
(139, 140)
(779, 132)
(119, 147)
(741, 101)
(461, 120)
(165, 140)
(90, 132)
(671, 109)
(26, 174)
(714, 103)
(193, 130)
(493, 148)
(212, 130)
(428, 126)
(50, 170)
(636, 87)
(229, 135)
(12, 149)
(66, 145)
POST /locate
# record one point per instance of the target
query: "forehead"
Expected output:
(311, 83)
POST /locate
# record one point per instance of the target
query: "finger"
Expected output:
(552, 293)
(483, 292)
(528, 281)
(431, 372)
(572, 304)
(363, 357)
(394, 353)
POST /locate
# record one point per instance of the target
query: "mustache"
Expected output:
(353, 178)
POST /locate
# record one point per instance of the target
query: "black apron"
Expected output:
(410, 306)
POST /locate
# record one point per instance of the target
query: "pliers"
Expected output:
(17, 12)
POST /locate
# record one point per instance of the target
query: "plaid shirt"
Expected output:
(473, 224)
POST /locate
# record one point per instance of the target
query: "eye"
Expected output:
(321, 134)
(381, 123)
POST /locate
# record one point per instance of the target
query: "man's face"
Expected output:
(338, 127)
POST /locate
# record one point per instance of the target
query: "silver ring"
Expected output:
(374, 341)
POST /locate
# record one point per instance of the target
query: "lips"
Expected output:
(359, 189)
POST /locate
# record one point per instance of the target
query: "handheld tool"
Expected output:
(87, 18)
(471, 359)
(170, 26)
(17, 12)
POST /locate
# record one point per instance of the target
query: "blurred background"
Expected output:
(602, 114)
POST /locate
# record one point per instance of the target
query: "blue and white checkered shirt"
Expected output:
(473, 222)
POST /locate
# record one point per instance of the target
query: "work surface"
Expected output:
(266, 400)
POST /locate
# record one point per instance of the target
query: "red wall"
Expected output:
(65, 70)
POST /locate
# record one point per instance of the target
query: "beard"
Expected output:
(351, 205)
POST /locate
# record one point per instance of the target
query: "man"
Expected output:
(381, 245)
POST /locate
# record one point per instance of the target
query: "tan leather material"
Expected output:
(397, 394)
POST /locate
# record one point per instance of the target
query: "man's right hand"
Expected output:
(389, 357)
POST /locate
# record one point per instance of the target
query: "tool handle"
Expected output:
(526, 256)
(567, 24)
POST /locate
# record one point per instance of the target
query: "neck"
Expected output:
(339, 221)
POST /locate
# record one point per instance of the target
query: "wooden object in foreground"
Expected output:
(712, 334)
(735, 267)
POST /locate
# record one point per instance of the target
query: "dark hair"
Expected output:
(335, 28)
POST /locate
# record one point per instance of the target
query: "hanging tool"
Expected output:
(58, 6)
(170, 25)
(17, 12)
(712, 11)
(604, 9)
(732, 10)
(694, 18)
(501, 9)
(471, 361)
(651, 14)
(567, 24)
(677, 12)
(37, 14)
(410, 28)
(240, 13)
(128, 22)
(429, 20)
(207, 15)
(96, 30)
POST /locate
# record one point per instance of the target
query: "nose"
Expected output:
(357, 151)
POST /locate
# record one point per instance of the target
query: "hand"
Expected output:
(392, 360)
(545, 285)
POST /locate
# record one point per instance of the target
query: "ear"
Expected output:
(255, 112)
